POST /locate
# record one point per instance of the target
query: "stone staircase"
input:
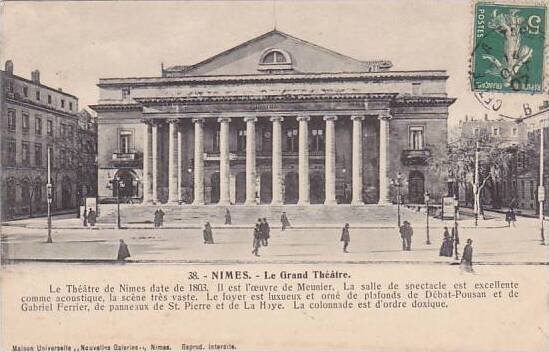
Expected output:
(245, 215)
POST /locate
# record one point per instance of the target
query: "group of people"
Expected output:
(261, 235)
(510, 217)
(158, 218)
(89, 218)
(449, 242)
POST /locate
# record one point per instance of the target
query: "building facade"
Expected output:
(275, 120)
(37, 118)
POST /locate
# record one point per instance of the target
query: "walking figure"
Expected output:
(447, 244)
(455, 237)
(92, 217)
(284, 220)
(228, 220)
(467, 258)
(406, 233)
(265, 232)
(207, 233)
(345, 237)
(123, 251)
(156, 219)
(85, 218)
(510, 217)
(256, 240)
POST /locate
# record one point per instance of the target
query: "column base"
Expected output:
(147, 201)
(173, 202)
(301, 203)
(276, 202)
(250, 202)
(198, 203)
(384, 202)
(224, 203)
(357, 202)
(330, 202)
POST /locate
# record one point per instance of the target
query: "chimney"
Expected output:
(8, 67)
(35, 76)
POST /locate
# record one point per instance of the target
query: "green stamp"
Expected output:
(508, 50)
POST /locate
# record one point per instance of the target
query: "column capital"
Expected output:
(303, 118)
(172, 121)
(330, 118)
(250, 119)
(224, 119)
(277, 119)
(358, 117)
(198, 120)
(385, 115)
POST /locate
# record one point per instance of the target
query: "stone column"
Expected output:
(278, 197)
(180, 163)
(147, 187)
(198, 161)
(172, 162)
(330, 158)
(250, 160)
(155, 162)
(357, 160)
(304, 198)
(384, 190)
(224, 162)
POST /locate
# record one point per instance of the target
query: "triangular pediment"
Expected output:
(276, 52)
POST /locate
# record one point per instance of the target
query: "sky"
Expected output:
(73, 44)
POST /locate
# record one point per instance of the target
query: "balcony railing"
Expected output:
(415, 157)
(126, 156)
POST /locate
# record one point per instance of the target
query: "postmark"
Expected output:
(508, 53)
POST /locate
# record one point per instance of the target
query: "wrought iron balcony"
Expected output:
(126, 156)
(415, 157)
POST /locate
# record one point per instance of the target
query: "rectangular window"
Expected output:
(522, 189)
(51, 151)
(317, 140)
(12, 122)
(37, 95)
(25, 153)
(70, 105)
(10, 86)
(416, 88)
(26, 91)
(49, 128)
(11, 148)
(49, 99)
(38, 125)
(125, 93)
(416, 141)
(495, 131)
(26, 122)
(71, 131)
(125, 141)
(63, 158)
(216, 140)
(292, 141)
(515, 131)
(532, 192)
(38, 155)
(63, 130)
(62, 103)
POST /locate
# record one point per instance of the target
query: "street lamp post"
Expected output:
(116, 183)
(49, 194)
(541, 188)
(456, 236)
(427, 198)
(397, 183)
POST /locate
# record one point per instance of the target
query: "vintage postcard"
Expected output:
(274, 176)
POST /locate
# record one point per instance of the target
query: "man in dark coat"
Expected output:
(256, 240)
(92, 217)
(284, 221)
(123, 251)
(228, 220)
(406, 233)
(160, 218)
(467, 257)
(345, 237)
(156, 219)
(266, 232)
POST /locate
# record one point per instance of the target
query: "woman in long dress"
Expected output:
(256, 240)
(284, 220)
(207, 232)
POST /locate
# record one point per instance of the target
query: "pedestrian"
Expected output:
(266, 232)
(85, 218)
(228, 220)
(467, 258)
(256, 240)
(455, 237)
(160, 218)
(123, 251)
(284, 220)
(207, 233)
(510, 217)
(92, 217)
(406, 233)
(156, 217)
(446, 248)
(345, 237)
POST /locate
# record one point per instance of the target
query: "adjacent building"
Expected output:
(37, 118)
(275, 120)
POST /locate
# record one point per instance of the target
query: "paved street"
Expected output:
(493, 243)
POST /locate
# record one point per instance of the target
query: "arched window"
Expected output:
(275, 59)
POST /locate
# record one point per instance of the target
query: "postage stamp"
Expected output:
(508, 53)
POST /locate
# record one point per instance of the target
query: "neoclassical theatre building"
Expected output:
(275, 120)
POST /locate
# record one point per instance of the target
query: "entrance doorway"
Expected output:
(214, 190)
(266, 189)
(416, 187)
(317, 189)
(240, 185)
(291, 188)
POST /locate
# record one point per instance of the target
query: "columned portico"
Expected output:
(303, 160)
(198, 161)
(180, 164)
(384, 190)
(278, 195)
(173, 197)
(357, 160)
(250, 161)
(330, 159)
(224, 162)
(154, 162)
(147, 142)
